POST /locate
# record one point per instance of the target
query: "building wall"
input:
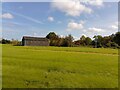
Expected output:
(35, 43)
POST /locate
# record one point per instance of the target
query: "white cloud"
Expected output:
(74, 26)
(82, 22)
(115, 25)
(7, 16)
(62, 36)
(71, 7)
(76, 38)
(97, 30)
(95, 2)
(51, 19)
(94, 30)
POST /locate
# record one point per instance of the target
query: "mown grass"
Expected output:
(59, 67)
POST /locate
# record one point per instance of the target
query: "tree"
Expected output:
(98, 41)
(82, 40)
(106, 40)
(68, 41)
(60, 42)
(116, 38)
(77, 43)
(88, 41)
(15, 42)
(112, 44)
(53, 38)
(5, 41)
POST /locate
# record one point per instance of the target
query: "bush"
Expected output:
(16, 43)
(112, 44)
(5, 41)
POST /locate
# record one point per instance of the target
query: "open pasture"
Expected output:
(59, 67)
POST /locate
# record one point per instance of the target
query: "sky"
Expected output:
(73, 17)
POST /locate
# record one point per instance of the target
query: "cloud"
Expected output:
(82, 22)
(115, 25)
(74, 26)
(26, 17)
(95, 2)
(95, 30)
(92, 31)
(76, 38)
(7, 16)
(51, 19)
(71, 7)
(62, 36)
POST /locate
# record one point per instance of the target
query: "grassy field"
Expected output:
(59, 67)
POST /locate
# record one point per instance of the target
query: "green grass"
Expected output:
(59, 67)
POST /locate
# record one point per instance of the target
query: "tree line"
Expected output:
(111, 41)
(13, 42)
(98, 41)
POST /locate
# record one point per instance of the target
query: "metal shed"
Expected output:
(34, 41)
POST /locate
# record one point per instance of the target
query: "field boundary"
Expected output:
(108, 54)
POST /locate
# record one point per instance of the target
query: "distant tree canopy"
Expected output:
(88, 41)
(111, 41)
(5, 41)
(68, 40)
(52, 36)
(116, 38)
(14, 42)
(55, 40)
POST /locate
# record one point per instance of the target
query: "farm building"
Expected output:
(34, 41)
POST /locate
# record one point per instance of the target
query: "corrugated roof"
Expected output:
(34, 38)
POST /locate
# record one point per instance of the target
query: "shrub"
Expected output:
(112, 44)
(16, 43)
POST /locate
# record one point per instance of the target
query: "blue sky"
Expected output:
(76, 18)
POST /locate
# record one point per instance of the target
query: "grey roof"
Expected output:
(35, 38)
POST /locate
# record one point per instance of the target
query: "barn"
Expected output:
(34, 41)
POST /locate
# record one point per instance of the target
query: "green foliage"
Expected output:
(98, 41)
(88, 41)
(5, 41)
(117, 38)
(53, 39)
(68, 41)
(82, 40)
(112, 44)
(105, 41)
(52, 36)
(15, 42)
(112, 41)
(59, 67)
